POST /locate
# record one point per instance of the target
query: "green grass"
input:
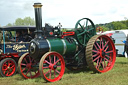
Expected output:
(117, 76)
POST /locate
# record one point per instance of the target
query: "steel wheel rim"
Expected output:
(103, 54)
(25, 67)
(52, 66)
(8, 68)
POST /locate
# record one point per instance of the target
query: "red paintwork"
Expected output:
(109, 34)
(104, 54)
(9, 55)
(53, 61)
(67, 34)
(8, 68)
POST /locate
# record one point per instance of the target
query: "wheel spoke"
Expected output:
(95, 51)
(81, 26)
(106, 48)
(12, 66)
(23, 64)
(5, 69)
(108, 60)
(97, 63)
(30, 59)
(98, 45)
(54, 74)
(100, 63)
(104, 63)
(25, 60)
(102, 43)
(107, 56)
(57, 71)
(30, 73)
(96, 58)
(50, 73)
(95, 55)
(57, 61)
(109, 51)
(45, 67)
(7, 74)
(47, 62)
(24, 69)
(50, 59)
(105, 44)
(54, 58)
(47, 72)
(58, 66)
(27, 71)
(86, 24)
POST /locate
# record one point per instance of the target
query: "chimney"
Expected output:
(38, 20)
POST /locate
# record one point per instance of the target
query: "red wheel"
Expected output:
(7, 67)
(27, 67)
(99, 29)
(52, 66)
(100, 53)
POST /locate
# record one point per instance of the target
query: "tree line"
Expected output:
(115, 25)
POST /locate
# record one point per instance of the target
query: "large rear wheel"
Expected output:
(100, 53)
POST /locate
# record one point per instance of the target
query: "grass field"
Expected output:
(117, 76)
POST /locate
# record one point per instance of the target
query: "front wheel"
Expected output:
(52, 66)
(8, 67)
(28, 67)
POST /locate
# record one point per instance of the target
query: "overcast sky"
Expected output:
(65, 11)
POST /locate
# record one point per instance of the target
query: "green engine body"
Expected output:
(63, 46)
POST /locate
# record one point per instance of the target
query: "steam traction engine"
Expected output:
(52, 50)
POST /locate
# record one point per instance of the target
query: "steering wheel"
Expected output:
(99, 30)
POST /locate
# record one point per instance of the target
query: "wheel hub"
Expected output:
(102, 53)
(53, 67)
(29, 65)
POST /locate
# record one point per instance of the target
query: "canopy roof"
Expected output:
(17, 28)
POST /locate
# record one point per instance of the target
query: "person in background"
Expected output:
(19, 37)
(59, 26)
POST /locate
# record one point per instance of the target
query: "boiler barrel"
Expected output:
(63, 46)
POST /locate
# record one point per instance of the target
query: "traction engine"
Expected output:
(52, 50)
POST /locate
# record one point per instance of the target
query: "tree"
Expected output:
(9, 24)
(18, 22)
(118, 25)
(27, 21)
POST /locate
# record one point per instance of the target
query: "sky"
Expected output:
(67, 12)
